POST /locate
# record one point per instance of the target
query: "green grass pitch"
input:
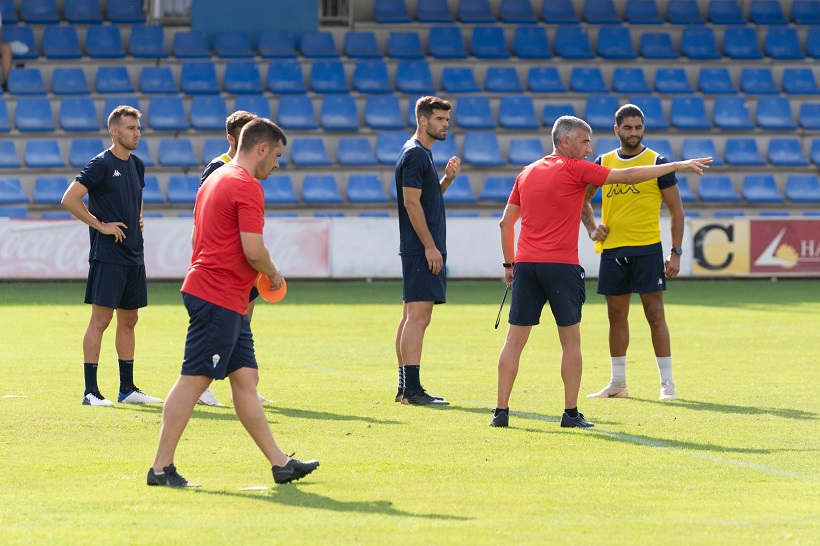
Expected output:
(734, 461)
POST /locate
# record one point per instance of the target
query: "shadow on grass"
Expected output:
(730, 408)
(227, 413)
(664, 443)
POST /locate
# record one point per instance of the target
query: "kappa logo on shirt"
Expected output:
(117, 173)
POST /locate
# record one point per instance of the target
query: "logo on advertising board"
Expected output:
(785, 247)
(721, 247)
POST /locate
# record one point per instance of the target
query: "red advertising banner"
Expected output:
(784, 247)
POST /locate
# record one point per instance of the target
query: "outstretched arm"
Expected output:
(636, 175)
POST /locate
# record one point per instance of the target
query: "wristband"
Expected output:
(507, 265)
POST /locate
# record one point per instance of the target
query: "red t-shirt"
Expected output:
(551, 193)
(230, 201)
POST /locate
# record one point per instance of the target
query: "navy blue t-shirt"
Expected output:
(415, 169)
(115, 195)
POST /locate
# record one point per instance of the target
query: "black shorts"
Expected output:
(631, 274)
(419, 283)
(219, 340)
(116, 286)
(254, 293)
(535, 284)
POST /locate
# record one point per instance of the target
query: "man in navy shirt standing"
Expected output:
(113, 181)
(423, 241)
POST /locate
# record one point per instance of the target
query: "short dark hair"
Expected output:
(260, 130)
(426, 105)
(120, 112)
(627, 111)
(237, 120)
(565, 125)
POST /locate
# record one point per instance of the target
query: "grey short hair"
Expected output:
(565, 125)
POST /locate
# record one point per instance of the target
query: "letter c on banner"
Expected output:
(699, 254)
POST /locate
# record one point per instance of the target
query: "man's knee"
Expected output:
(127, 320)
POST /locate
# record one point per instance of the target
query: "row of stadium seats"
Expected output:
(46, 12)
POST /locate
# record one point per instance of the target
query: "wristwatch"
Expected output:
(507, 265)
(677, 250)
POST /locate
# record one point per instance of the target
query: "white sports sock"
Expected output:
(618, 370)
(665, 367)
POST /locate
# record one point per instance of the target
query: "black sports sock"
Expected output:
(412, 383)
(90, 373)
(572, 412)
(401, 378)
(500, 410)
(126, 376)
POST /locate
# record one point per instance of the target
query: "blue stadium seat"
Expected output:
(233, 44)
(276, 44)
(208, 113)
(770, 213)
(732, 113)
(615, 42)
(502, 79)
(339, 113)
(600, 111)
(167, 114)
(516, 12)
(82, 150)
(49, 190)
(559, 12)
(365, 188)
(383, 112)
(285, 76)
(729, 213)
(113, 79)
(743, 151)
(33, 114)
(672, 80)
(524, 151)
(8, 158)
(775, 114)
(800, 81)
(190, 44)
(404, 45)
(726, 12)
(279, 190)
(805, 12)
(5, 121)
(459, 79)
(657, 45)
(475, 12)
(642, 12)
(9, 10)
(39, 12)
(717, 189)
(319, 45)
(545, 79)
(182, 189)
(414, 77)
(572, 42)
(652, 110)
(361, 45)
(786, 151)
(497, 188)
(662, 146)
(43, 154)
(758, 81)
(531, 42)
(328, 77)
(176, 152)
(13, 212)
(309, 152)
(600, 12)
(329, 214)
(321, 190)
(488, 42)
(212, 148)
(809, 116)
(374, 214)
(103, 42)
(11, 191)
(629, 80)
(243, 78)
(390, 11)
(124, 11)
(61, 42)
(147, 42)
(554, 111)
(296, 112)
(813, 42)
(783, 43)
(685, 192)
(741, 43)
(766, 12)
(481, 149)
(255, 104)
(157, 80)
(443, 151)
(446, 42)
(803, 188)
(517, 112)
(113, 102)
(584, 79)
(69, 81)
(814, 153)
(761, 188)
(198, 78)
(460, 191)
(698, 42)
(433, 11)
(24, 34)
(26, 81)
(689, 114)
(684, 12)
(355, 151)
(474, 113)
(78, 114)
(693, 148)
(144, 153)
(389, 144)
(151, 193)
(715, 81)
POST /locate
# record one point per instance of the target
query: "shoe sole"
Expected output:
(296, 478)
(668, 398)
(406, 402)
(623, 393)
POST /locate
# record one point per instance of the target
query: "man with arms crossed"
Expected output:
(548, 196)
(423, 242)
(632, 261)
(113, 181)
(229, 250)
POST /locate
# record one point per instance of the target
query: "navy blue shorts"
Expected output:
(535, 284)
(116, 286)
(632, 274)
(219, 340)
(419, 283)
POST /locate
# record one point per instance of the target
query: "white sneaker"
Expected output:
(668, 390)
(137, 397)
(96, 399)
(610, 391)
(262, 399)
(207, 398)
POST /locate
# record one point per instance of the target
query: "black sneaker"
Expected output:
(501, 419)
(430, 395)
(575, 422)
(421, 398)
(170, 478)
(293, 470)
(399, 395)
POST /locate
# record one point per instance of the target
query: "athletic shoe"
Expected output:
(421, 398)
(575, 422)
(170, 478)
(399, 395)
(207, 398)
(501, 419)
(136, 396)
(293, 470)
(96, 399)
(668, 390)
(611, 391)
